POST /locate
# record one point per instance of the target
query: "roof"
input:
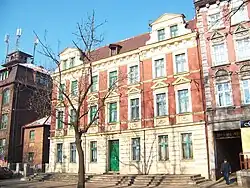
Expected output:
(165, 17)
(35, 67)
(191, 24)
(21, 52)
(127, 45)
(39, 122)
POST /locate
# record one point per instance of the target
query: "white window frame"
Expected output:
(89, 105)
(160, 91)
(182, 87)
(135, 96)
(218, 24)
(128, 73)
(77, 88)
(64, 113)
(112, 70)
(158, 34)
(217, 96)
(98, 78)
(234, 4)
(237, 49)
(58, 90)
(212, 53)
(69, 117)
(174, 60)
(193, 147)
(242, 90)
(107, 111)
(153, 65)
(158, 144)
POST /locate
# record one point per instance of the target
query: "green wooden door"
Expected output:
(114, 155)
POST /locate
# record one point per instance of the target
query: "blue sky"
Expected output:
(125, 18)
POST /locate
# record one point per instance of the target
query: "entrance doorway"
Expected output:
(228, 145)
(114, 155)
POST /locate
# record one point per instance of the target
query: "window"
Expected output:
(163, 148)
(6, 96)
(72, 153)
(93, 114)
(133, 74)
(64, 64)
(159, 68)
(214, 20)
(134, 109)
(4, 121)
(180, 63)
(223, 94)
(136, 149)
(113, 112)
(32, 136)
(72, 116)
(161, 104)
(161, 34)
(4, 75)
(219, 54)
(187, 146)
(183, 101)
(112, 78)
(74, 88)
(239, 15)
(61, 90)
(72, 62)
(173, 31)
(93, 151)
(60, 120)
(246, 91)
(2, 145)
(30, 156)
(59, 152)
(243, 49)
(94, 84)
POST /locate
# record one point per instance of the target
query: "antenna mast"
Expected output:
(6, 40)
(36, 41)
(18, 35)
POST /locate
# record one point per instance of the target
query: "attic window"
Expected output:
(114, 49)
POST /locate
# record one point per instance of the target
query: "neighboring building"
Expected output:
(225, 53)
(18, 80)
(154, 122)
(36, 143)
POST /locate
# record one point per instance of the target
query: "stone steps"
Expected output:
(128, 180)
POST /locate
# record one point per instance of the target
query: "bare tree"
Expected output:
(87, 41)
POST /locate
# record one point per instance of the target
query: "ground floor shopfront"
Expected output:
(162, 150)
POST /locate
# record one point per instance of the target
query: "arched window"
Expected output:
(6, 96)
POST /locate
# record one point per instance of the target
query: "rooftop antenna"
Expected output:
(6, 40)
(36, 41)
(18, 35)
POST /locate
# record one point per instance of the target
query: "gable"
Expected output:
(240, 28)
(133, 90)
(166, 17)
(67, 50)
(216, 34)
(92, 98)
(181, 80)
(159, 85)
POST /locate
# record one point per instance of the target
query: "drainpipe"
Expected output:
(204, 105)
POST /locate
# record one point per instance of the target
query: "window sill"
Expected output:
(221, 65)
(241, 61)
(184, 113)
(72, 162)
(134, 120)
(93, 162)
(212, 29)
(245, 105)
(185, 73)
(187, 160)
(160, 78)
(111, 123)
(134, 84)
(225, 107)
(160, 117)
(164, 161)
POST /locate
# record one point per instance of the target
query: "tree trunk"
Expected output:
(81, 170)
